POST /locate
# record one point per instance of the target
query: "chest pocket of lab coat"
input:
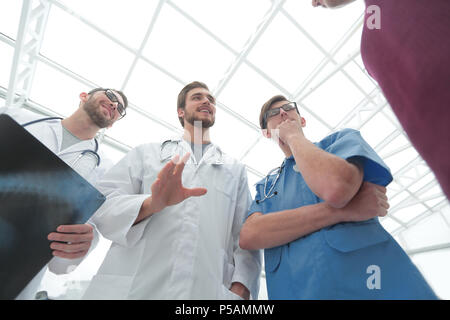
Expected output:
(223, 180)
(347, 237)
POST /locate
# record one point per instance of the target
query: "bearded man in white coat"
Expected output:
(175, 224)
(68, 138)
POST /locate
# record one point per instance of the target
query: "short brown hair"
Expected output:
(266, 106)
(124, 98)
(181, 102)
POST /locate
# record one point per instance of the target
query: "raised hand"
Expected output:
(168, 190)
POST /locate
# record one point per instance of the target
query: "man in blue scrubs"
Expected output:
(316, 218)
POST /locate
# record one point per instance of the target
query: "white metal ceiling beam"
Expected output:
(144, 43)
(329, 57)
(136, 52)
(337, 68)
(404, 187)
(436, 247)
(414, 198)
(230, 49)
(6, 39)
(397, 150)
(387, 140)
(425, 214)
(90, 84)
(360, 106)
(33, 20)
(355, 27)
(270, 15)
(401, 173)
(92, 25)
(113, 39)
(250, 147)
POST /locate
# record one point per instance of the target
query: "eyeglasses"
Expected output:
(113, 98)
(273, 112)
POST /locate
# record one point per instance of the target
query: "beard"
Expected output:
(93, 109)
(191, 118)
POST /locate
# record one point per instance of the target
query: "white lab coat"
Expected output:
(186, 251)
(50, 134)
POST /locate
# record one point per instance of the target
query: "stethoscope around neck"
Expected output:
(271, 193)
(83, 153)
(168, 149)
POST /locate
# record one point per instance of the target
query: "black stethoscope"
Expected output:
(268, 195)
(83, 153)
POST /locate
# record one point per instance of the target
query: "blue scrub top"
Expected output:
(351, 260)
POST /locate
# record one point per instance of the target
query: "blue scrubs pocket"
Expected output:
(272, 258)
(351, 236)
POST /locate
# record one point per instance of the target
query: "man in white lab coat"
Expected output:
(175, 225)
(69, 138)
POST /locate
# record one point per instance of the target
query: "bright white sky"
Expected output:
(245, 57)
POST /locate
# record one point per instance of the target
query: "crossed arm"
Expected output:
(333, 179)
(270, 230)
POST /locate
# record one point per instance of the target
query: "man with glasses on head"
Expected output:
(73, 140)
(316, 216)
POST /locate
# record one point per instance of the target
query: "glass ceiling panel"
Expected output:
(314, 130)
(246, 16)
(154, 91)
(434, 191)
(293, 55)
(396, 197)
(398, 160)
(83, 50)
(136, 129)
(408, 213)
(389, 114)
(320, 72)
(264, 156)
(252, 180)
(351, 46)
(190, 54)
(419, 235)
(422, 182)
(125, 20)
(246, 92)
(56, 90)
(10, 17)
(233, 137)
(334, 99)
(389, 224)
(361, 78)
(377, 130)
(325, 26)
(435, 264)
